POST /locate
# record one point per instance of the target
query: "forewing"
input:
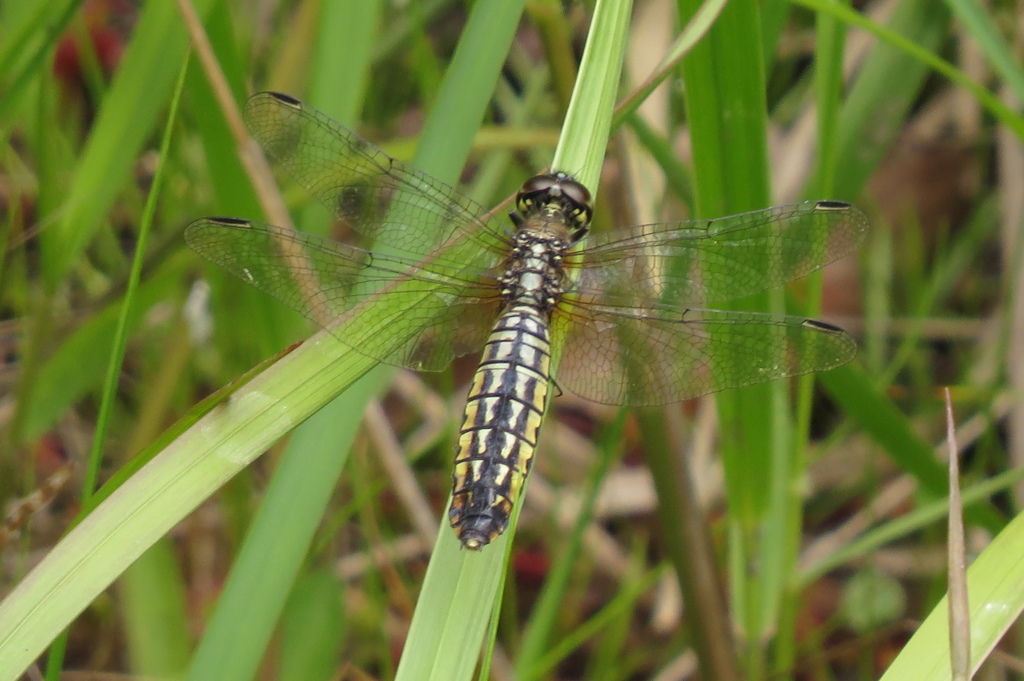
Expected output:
(707, 261)
(660, 356)
(373, 193)
(431, 310)
(432, 328)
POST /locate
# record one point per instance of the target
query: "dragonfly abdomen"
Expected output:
(502, 420)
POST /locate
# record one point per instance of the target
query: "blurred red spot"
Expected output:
(67, 62)
(532, 565)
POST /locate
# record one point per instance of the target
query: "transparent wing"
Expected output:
(374, 194)
(435, 311)
(659, 356)
(706, 261)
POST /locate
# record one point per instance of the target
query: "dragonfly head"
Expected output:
(556, 196)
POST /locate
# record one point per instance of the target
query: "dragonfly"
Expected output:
(621, 318)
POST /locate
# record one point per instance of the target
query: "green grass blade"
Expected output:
(581, 146)
(120, 338)
(313, 628)
(548, 611)
(996, 601)
(886, 86)
(828, 79)
(980, 24)
(155, 614)
(695, 29)
(450, 632)
(905, 526)
(271, 557)
(726, 109)
(180, 476)
(77, 367)
(32, 33)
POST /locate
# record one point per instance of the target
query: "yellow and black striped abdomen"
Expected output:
(499, 430)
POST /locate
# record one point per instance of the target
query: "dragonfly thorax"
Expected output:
(552, 213)
(534, 274)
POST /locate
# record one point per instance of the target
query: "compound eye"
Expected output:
(531, 189)
(538, 183)
(576, 192)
